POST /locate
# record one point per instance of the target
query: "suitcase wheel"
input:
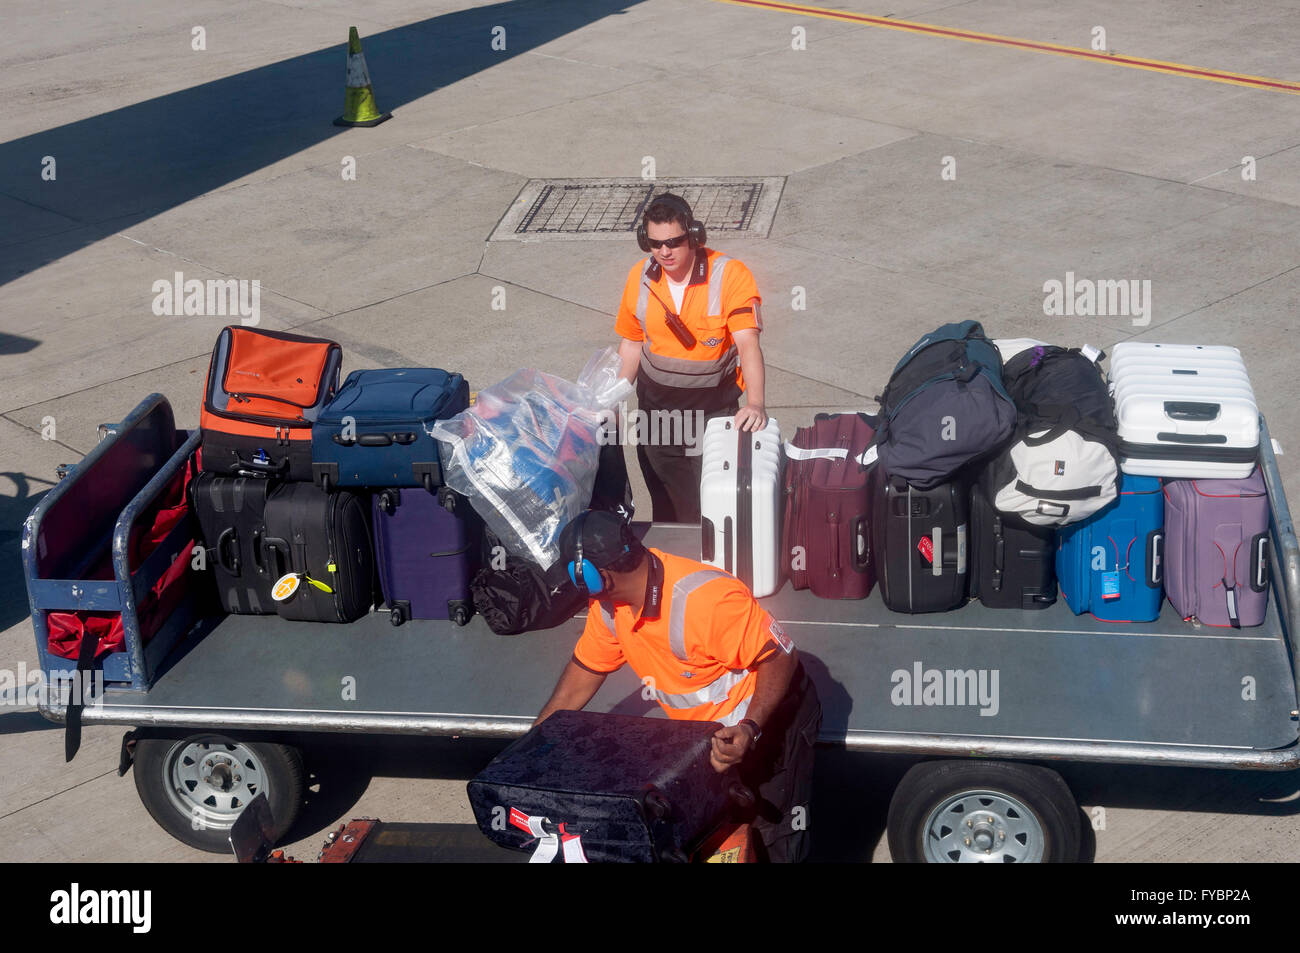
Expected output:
(388, 503)
(325, 482)
(656, 805)
(740, 795)
(397, 615)
(460, 615)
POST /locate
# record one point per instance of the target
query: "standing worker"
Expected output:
(690, 322)
(695, 635)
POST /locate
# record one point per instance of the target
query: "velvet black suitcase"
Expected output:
(589, 787)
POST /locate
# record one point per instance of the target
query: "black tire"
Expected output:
(983, 811)
(170, 779)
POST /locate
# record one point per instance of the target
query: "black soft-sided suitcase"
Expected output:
(1012, 564)
(325, 536)
(634, 790)
(920, 543)
(232, 518)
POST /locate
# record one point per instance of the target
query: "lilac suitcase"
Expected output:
(1216, 545)
(423, 547)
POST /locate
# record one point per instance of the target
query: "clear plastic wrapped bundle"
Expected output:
(526, 453)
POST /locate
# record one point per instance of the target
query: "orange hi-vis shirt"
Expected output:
(718, 301)
(696, 644)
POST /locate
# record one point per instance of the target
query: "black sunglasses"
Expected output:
(670, 242)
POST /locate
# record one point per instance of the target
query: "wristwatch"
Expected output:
(753, 726)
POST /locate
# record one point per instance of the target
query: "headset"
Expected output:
(588, 580)
(695, 234)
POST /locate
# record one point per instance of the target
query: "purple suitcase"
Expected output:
(1216, 550)
(423, 548)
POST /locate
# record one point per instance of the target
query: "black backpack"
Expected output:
(1063, 462)
(514, 594)
(945, 406)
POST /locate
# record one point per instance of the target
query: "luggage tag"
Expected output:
(287, 585)
(926, 546)
(1110, 584)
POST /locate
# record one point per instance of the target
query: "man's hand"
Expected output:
(752, 417)
(730, 745)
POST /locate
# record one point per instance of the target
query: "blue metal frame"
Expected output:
(150, 424)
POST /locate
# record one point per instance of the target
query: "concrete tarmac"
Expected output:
(927, 179)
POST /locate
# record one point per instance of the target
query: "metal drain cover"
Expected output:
(577, 209)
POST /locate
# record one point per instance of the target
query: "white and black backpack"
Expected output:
(1063, 461)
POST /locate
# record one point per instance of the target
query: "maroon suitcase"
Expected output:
(826, 534)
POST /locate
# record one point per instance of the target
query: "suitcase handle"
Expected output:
(861, 544)
(1190, 410)
(1259, 563)
(1155, 559)
(706, 539)
(375, 440)
(260, 469)
(230, 565)
(279, 551)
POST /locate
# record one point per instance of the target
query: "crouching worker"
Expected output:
(697, 638)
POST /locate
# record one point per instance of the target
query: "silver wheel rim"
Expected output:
(212, 782)
(983, 827)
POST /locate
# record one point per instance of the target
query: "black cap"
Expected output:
(605, 539)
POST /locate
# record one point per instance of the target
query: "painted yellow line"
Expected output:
(1132, 62)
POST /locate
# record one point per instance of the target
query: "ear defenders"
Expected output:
(695, 234)
(583, 572)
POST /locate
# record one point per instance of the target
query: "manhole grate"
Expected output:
(572, 209)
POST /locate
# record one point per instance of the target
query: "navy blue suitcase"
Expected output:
(585, 786)
(425, 549)
(375, 432)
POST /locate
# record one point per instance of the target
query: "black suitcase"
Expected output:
(323, 538)
(919, 539)
(1012, 564)
(632, 790)
(232, 518)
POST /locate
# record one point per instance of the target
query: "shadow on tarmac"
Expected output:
(121, 167)
(14, 606)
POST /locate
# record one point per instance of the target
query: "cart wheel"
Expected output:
(396, 616)
(983, 812)
(196, 787)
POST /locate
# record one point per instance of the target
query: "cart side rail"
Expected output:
(1285, 557)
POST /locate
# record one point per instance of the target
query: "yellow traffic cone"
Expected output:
(359, 107)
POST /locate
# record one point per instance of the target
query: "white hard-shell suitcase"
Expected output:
(1184, 410)
(740, 502)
